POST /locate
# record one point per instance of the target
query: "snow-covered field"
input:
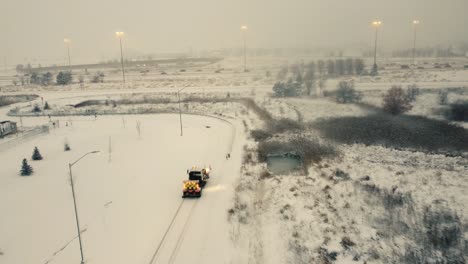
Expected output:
(337, 211)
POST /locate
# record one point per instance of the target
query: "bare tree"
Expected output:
(138, 127)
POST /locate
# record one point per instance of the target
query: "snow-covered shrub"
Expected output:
(443, 97)
(346, 93)
(64, 78)
(443, 226)
(284, 125)
(260, 135)
(396, 101)
(287, 89)
(412, 92)
(458, 111)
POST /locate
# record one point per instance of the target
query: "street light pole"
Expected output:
(74, 202)
(120, 35)
(376, 24)
(244, 29)
(67, 43)
(415, 24)
(180, 111)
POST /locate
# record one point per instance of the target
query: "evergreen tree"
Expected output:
(36, 154)
(349, 65)
(64, 78)
(299, 78)
(279, 89)
(359, 66)
(309, 77)
(375, 70)
(46, 79)
(46, 106)
(66, 147)
(340, 66)
(34, 79)
(36, 108)
(321, 67)
(26, 169)
(331, 67)
(346, 93)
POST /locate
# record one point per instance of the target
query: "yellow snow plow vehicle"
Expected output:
(197, 180)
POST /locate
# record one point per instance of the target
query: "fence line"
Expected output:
(23, 136)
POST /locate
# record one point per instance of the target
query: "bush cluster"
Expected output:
(408, 132)
(309, 150)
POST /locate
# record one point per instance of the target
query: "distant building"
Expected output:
(7, 127)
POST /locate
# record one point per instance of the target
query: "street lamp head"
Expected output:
(376, 23)
(244, 27)
(119, 34)
(66, 40)
(416, 22)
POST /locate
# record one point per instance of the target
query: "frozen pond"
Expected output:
(283, 164)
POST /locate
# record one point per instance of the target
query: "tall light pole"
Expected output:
(415, 25)
(375, 24)
(67, 43)
(180, 111)
(74, 202)
(244, 37)
(120, 34)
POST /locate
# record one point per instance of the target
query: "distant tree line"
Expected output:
(425, 52)
(62, 78)
(302, 79)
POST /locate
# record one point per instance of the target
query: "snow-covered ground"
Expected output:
(246, 215)
(126, 195)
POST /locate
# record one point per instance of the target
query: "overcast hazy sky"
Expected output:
(36, 28)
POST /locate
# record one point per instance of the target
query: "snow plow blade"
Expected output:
(191, 189)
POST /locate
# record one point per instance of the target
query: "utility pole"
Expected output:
(120, 35)
(67, 43)
(415, 25)
(244, 29)
(180, 111)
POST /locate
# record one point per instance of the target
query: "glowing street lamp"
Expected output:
(415, 25)
(375, 24)
(120, 34)
(67, 43)
(244, 29)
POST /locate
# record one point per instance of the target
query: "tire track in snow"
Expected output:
(154, 257)
(180, 239)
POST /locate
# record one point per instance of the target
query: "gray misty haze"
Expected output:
(35, 29)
